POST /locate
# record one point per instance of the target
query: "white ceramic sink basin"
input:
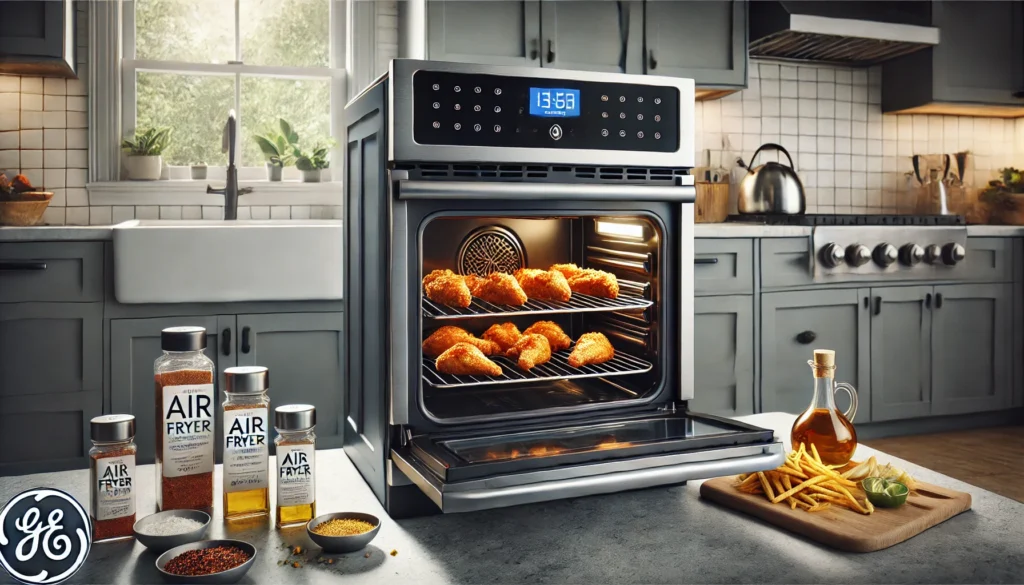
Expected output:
(227, 261)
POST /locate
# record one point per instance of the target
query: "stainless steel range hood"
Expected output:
(845, 32)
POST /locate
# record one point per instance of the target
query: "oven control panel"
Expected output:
(474, 109)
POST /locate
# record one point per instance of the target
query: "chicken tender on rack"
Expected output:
(532, 350)
(544, 285)
(549, 329)
(449, 335)
(505, 335)
(497, 288)
(567, 270)
(464, 359)
(588, 281)
(591, 348)
(447, 288)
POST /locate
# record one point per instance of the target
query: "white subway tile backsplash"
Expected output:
(55, 103)
(77, 138)
(789, 89)
(53, 178)
(280, 212)
(32, 159)
(54, 138)
(54, 215)
(170, 212)
(10, 139)
(121, 213)
(100, 215)
(10, 159)
(807, 89)
(770, 88)
(28, 120)
(55, 159)
(211, 212)
(843, 128)
(55, 119)
(55, 86)
(823, 144)
(10, 83)
(807, 126)
(194, 212)
(260, 211)
(77, 120)
(77, 216)
(34, 176)
(77, 177)
(245, 212)
(787, 72)
(789, 107)
(859, 129)
(10, 101)
(300, 212)
(147, 212)
(826, 90)
(9, 121)
(78, 159)
(79, 197)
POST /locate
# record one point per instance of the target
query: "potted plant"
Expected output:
(313, 163)
(1004, 198)
(278, 148)
(144, 150)
(198, 171)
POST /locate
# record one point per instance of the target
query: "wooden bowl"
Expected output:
(25, 212)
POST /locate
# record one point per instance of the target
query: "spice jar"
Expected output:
(112, 476)
(296, 484)
(246, 444)
(184, 421)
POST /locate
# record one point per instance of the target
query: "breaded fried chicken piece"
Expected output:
(498, 288)
(464, 359)
(532, 350)
(597, 283)
(556, 337)
(449, 335)
(567, 270)
(505, 335)
(545, 285)
(591, 348)
(447, 288)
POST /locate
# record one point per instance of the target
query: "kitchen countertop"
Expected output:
(56, 233)
(657, 535)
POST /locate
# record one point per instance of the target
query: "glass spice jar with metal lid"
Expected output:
(184, 421)
(246, 442)
(112, 482)
(296, 463)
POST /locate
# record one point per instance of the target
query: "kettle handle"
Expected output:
(771, 146)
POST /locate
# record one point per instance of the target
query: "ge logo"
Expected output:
(45, 536)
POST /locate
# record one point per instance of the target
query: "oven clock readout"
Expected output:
(549, 102)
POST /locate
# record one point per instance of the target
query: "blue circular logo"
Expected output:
(45, 536)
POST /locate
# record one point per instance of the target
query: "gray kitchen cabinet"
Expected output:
(901, 366)
(705, 41)
(304, 354)
(591, 36)
(972, 336)
(50, 378)
(723, 266)
(493, 32)
(793, 324)
(37, 272)
(724, 355)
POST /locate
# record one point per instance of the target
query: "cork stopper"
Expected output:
(824, 363)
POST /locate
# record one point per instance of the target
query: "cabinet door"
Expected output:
(724, 355)
(987, 32)
(135, 345)
(971, 340)
(495, 32)
(901, 333)
(705, 41)
(41, 35)
(51, 384)
(587, 36)
(793, 324)
(303, 352)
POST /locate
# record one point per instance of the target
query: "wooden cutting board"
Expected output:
(845, 529)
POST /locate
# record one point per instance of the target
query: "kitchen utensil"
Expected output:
(712, 200)
(159, 544)
(845, 529)
(343, 544)
(772, 187)
(224, 577)
(26, 211)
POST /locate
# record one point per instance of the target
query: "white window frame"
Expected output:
(335, 73)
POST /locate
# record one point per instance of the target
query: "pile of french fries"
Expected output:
(803, 481)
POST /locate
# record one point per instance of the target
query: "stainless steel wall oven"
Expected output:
(482, 169)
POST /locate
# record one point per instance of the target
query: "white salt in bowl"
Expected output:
(159, 544)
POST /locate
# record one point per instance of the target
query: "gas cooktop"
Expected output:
(816, 219)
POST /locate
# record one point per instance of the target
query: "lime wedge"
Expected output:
(885, 493)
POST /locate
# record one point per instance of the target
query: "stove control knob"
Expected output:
(953, 253)
(932, 254)
(832, 255)
(858, 255)
(885, 255)
(911, 254)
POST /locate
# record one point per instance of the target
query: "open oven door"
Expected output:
(468, 471)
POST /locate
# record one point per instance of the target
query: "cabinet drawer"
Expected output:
(786, 262)
(723, 266)
(46, 433)
(51, 272)
(987, 260)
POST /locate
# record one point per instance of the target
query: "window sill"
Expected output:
(194, 193)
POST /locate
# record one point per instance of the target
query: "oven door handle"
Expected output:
(413, 189)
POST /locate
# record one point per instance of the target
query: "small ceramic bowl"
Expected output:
(343, 544)
(159, 544)
(225, 577)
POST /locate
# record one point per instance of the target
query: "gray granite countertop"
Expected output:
(56, 233)
(749, 230)
(658, 535)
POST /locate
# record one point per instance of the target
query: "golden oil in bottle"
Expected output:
(246, 448)
(296, 464)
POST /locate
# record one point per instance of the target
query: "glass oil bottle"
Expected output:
(822, 424)
(296, 478)
(246, 445)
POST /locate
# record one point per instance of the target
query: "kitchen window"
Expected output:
(186, 63)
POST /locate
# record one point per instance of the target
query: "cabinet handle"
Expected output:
(225, 341)
(1018, 94)
(23, 265)
(928, 301)
(245, 340)
(652, 62)
(705, 260)
(938, 300)
(806, 337)
(867, 302)
(551, 51)
(878, 306)
(533, 50)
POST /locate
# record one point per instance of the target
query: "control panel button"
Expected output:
(477, 89)
(476, 127)
(640, 134)
(555, 132)
(497, 109)
(622, 115)
(437, 105)
(497, 91)
(857, 255)
(622, 133)
(476, 108)
(436, 124)
(657, 135)
(457, 89)
(458, 107)
(604, 98)
(604, 132)
(911, 254)
(639, 116)
(657, 101)
(458, 126)
(497, 128)
(622, 98)
(885, 255)
(640, 100)
(436, 87)
(657, 117)
(953, 253)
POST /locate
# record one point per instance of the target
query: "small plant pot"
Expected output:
(274, 172)
(198, 172)
(144, 168)
(312, 176)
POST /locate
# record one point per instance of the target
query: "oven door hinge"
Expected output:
(669, 408)
(404, 435)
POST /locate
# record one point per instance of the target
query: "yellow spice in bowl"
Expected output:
(342, 527)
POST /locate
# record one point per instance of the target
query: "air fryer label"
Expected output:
(114, 487)
(295, 484)
(246, 454)
(188, 430)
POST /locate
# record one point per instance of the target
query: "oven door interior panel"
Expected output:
(466, 471)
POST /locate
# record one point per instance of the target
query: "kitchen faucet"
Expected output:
(230, 190)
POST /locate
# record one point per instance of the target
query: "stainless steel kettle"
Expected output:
(772, 188)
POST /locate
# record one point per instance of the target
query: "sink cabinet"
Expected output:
(724, 375)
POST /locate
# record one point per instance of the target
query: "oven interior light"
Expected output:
(628, 230)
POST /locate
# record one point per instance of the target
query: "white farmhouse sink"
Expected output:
(206, 261)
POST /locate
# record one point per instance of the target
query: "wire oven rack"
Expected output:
(556, 369)
(579, 303)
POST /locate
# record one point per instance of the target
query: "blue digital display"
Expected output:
(548, 102)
